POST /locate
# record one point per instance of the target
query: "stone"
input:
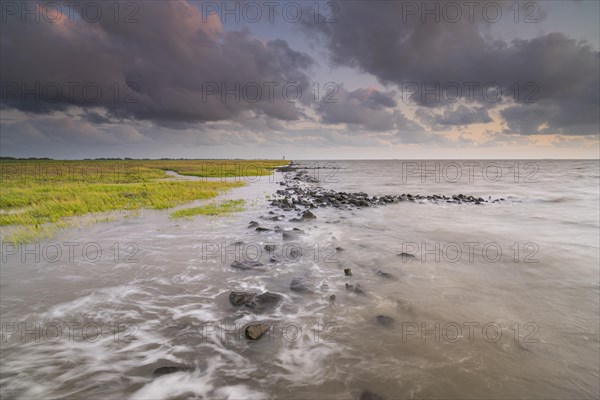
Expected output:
(255, 331)
(366, 395)
(263, 301)
(246, 265)
(299, 285)
(347, 272)
(384, 320)
(308, 215)
(240, 298)
(170, 369)
(270, 247)
(386, 275)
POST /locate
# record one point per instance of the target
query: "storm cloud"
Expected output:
(170, 66)
(559, 75)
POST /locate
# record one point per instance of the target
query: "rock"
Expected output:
(288, 235)
(384, 320)
(240, 298)
(366, 395)
(261, 229)
(386, 275)
(347, 272)
(339, 248)
(246, 265)
(263, 301)
(308, 215)
(270, 247)
(332, 298)
(355, 288)
(255, 331)
(299, 285)
(407, 256)
(358, 289)
(295, 220)
(171, 369)
(252, 224)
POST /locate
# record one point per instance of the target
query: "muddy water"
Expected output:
(499, 301)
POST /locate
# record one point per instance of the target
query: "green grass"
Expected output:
(226, 207)
(34, 193)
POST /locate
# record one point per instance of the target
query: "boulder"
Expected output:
(170, 369)
(299, 284)
(240, 298)
(366, 395)
(384, 320)
(246, 265)
(386, 275)
(263, 301)
(308, 215)
(255, 331)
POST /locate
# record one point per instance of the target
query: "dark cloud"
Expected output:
(170, 67)
(453, 116)
(559, 74)
(367, 108)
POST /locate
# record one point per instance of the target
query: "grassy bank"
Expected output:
(40, 192)
(226, 207)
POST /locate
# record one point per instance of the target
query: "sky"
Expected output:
(300, 79)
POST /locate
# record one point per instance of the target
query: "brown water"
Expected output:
(467, 324)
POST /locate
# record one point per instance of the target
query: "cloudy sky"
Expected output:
(303, 79)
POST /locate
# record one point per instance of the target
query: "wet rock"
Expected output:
(261, 229)
(295, 220)
(308, 215)
(252, 224)
(255, 331)
(347, 272)
(289, 235)
(299, 285)
(355, 288)
(386, 275)
(366, 395)
(170, 369)
(270, 247)
(264, 301)
(407, 256)
(358, 289)
(246, 264)
(240, 298)
(384, 320)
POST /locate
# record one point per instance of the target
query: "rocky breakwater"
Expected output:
(298, 203)
(302, 193)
